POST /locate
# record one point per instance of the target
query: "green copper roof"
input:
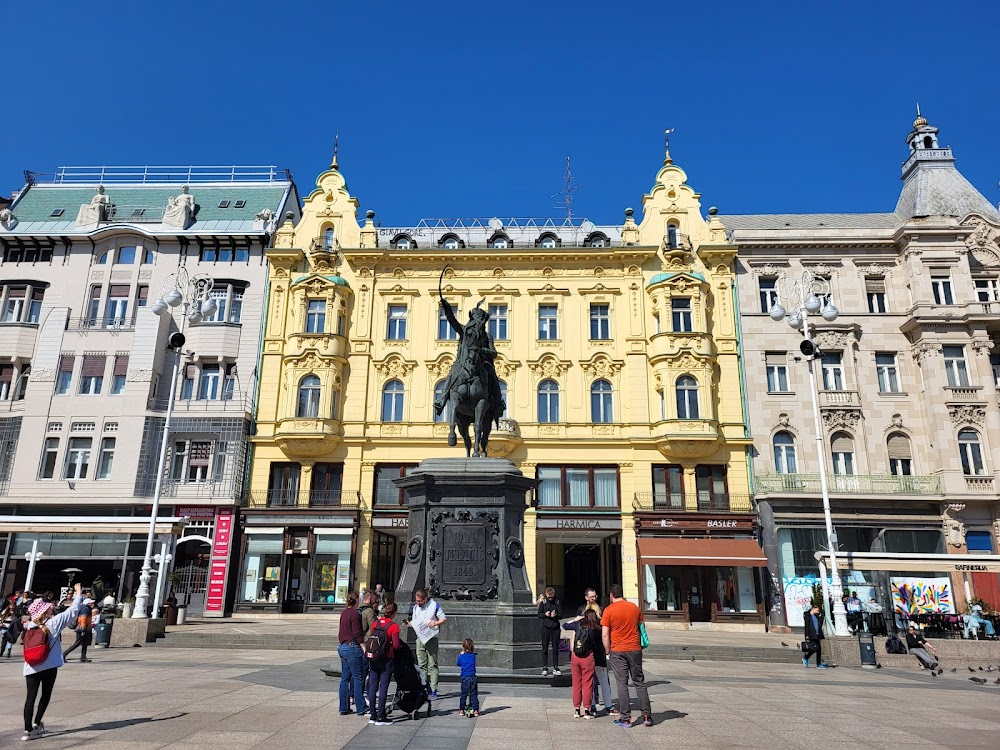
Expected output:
(663, 276)
(340, 280)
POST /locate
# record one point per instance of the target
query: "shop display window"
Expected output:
(262, 571)
(667, 587)
(662, 589)
(331, 569)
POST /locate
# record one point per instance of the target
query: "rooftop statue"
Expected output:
(472, 386)
(180, 210)
(93, 212)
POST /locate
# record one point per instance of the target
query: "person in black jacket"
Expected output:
(814, 637)
(548, 613)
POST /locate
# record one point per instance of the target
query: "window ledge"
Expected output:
(781, 393)
(548, 342)
(894, 394)
(600, 341)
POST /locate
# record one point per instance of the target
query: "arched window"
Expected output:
(971, 452)
(147, 256)
(687, 398)
(601, 407)
(392, 401)
(842, 453)
(328, 239)
(103, 258)
(671, 235)
(500, 242)
(548, 401)
(547, 241)
(403, 242)
(928, 142)
(450, 242)
(439, 396)
(784, 453)
(309, 388)
(505, 397)
(900, 457)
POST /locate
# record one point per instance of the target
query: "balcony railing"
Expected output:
(979, 484)
(839, 398)
(239, 402)
(676, 503)
(134, 214)
(101, 324)
(964, 393)
(859, 484)
(290, 499)
(338, 498)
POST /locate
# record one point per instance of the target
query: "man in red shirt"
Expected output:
(620, 630)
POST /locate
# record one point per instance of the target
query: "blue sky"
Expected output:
(452, 109)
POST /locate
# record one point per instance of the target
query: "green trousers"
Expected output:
(427, 660)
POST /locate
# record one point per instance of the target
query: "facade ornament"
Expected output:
(180, 210)
(7, 220)
(996, 530)
(439, 367)
(983, 242)
(847, 419)
(369, 234)
(284, 238)
(783, 419)
(874, 269)
(925, 349)
(771, 269)
(549, 366)
(504, 367)
(967, 415)
(832, 340)
(601, 367)
(982, 348)
(821, 269)
(954, 528)
(93, 212)
(266, 220)
(630, 230)
(394, 366)
(897, 420)
(132, 376)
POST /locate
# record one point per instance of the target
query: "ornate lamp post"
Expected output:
(192, 294)
(803, 298)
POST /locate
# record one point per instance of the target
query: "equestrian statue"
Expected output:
(472, 385)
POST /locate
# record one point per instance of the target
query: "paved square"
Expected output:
(143, 699)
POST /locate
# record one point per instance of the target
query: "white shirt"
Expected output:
(422, 617)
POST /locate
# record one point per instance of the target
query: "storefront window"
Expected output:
(262, 570)
(662, 588)
(730, 589)
(332, 569)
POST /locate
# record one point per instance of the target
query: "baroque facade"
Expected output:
(85, 370)
(907, 381)
(619, 362)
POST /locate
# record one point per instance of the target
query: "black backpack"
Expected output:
(377, 642)
(583, 643)
(894, 646)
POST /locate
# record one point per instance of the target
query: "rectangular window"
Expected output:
(711, 483)
(35, 308)
(48, 468)
(141, 295)
(77, 458)
(126, 255)
(548, 322)
(316, 316)
(833, 372)
(219, 462)
(199, 459)
(119, 374)
(995, 368)
(901, 467)
(178, 460)
(229, 384)
(445, 331)
(94, 306)
(397, 323)
(768, 286)
(987, 290)
(236, 305)
(65, 376)
(498, 322)
(106, 458)
(888, 375)
(680, 308)
(578, 486)
(187, 383)
(941, 286)
(600, 322)
(777, 372)
(208, 386)
(13, 310)
(668, 487)
(387, 493)
(92, 374)
(875, 291)
(116, 308)
(955, 367)
(6, 380)
(325, 489)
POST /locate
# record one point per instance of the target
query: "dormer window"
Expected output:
(499, 242)
(596, 239)
(451, 242)
(548, 241)
(403, 242)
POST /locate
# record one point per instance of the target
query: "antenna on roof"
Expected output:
(336, 148)
(567, 192)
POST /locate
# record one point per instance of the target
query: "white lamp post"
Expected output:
(32, 557)
(802, 299)
(192, 293)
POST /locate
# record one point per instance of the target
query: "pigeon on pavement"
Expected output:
(784, 644)
(978, 680)
(972, 670)
(997, 682)
(954, 669)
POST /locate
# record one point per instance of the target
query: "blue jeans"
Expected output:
(379, 677)
(351, 677)
(470, 694)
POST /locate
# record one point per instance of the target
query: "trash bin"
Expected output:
(181, 615)
(171, 615)
(866, 642)
(102, 635)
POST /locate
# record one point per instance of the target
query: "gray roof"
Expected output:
(810, 221)
(932, 186)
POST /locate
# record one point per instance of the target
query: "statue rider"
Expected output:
(474, 358)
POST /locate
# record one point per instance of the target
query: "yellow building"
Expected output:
(619, 357)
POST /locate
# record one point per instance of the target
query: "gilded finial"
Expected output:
(336, 147)
(921, 121)
(666, 146)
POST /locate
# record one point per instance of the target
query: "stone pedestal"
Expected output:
(466, 547)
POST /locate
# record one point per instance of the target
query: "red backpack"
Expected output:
(36, 645)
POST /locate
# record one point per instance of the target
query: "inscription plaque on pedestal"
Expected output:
(463, 554)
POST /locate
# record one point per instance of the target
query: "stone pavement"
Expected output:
(148, 698)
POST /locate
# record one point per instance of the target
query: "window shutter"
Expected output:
(776, 358)
(842, 444)
(17, 292)
(873, 285)
(6, 374)
(95, 292)
(121, 364)
(118, 290)
(200, 454)
(66, 363)
(93, 365)
(143, 295)
(899, 447)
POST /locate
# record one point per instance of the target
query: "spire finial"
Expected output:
(666, 146)
(336, 147)
(921, 121)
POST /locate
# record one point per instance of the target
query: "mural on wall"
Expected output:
(921, 596)
(798, 594)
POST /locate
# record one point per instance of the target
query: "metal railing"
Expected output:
(100, 324)
(180, 175)
(133, 214)
(861, 484)
(239, 401)
(290, 499)
(677, 503)
(339, 498)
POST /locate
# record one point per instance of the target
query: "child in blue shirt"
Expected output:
(468, 704)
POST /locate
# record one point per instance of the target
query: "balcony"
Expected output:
(854, 484)
(17, 340)
(240, 401)
(111, 324)
(219, 338)
(258, 499)
(334, 498)
(687, 438)
(673, 503)
(968, 394)
(980, 485)
(505, 438)
(270, 499)
(307, 438)
(840, 399)
(669, 344)
(220, 490)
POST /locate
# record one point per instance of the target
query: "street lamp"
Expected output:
(803, 298)
(32, 557)
(193, 295)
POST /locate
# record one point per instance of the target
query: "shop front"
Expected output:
(581, 551)
(295, 568)
(388, 548)
(696, 572)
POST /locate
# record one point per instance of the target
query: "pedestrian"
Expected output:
(84, 631)
(548, 615)
(917, 645)
(586, 643)
(426, 623)
(813, 638)
(368, 609)
(352, 639)
(468, 704)
(42, 674)
(589, 602)
(381, 665)
(380, 593)
(620, 631)
(10, 626)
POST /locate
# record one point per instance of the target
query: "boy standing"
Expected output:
(468, 704)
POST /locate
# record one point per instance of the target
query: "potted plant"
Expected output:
(128, 606)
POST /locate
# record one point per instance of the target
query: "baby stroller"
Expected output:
(412, 688)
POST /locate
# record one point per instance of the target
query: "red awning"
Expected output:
(711, 552)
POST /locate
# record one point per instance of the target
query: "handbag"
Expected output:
(643, 635)
(806, 646)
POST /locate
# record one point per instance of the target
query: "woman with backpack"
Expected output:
(43, 656)
(582, 660)
(380, 649)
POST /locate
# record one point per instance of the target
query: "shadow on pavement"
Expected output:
(105, 726)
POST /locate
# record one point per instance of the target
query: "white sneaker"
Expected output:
(557, 671)
(545, 672)
(383, 723)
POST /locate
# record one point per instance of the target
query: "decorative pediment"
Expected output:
(967, 415)
(394, 366)
(984, 242)
(549, 366)
(505, 368)
(847, 419)
(439, 367)
(602, 366)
